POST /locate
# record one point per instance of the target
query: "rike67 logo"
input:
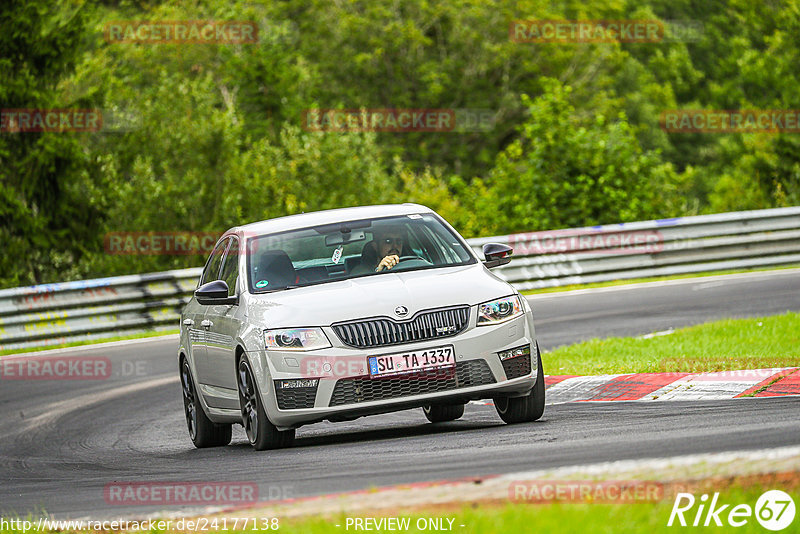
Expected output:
(774, 510)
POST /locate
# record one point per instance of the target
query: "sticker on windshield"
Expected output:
(262, 283)
(337, 254)
(415, 216)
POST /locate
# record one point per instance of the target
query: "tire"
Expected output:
(524, 409)
(261, 433)
(440, 413)
(203, 432)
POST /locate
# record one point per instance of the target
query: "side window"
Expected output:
(417, 244)
(230, 269)
(421, 244)
(441, 250)
(212, 267)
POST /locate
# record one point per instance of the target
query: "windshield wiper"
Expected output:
(277, 289)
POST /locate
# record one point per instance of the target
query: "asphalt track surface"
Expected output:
(62, 442)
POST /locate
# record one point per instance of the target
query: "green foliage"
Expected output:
(50, 189)
(567, 171)
(201, 137)
(196, 168)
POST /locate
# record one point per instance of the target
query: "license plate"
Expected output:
(415, 360)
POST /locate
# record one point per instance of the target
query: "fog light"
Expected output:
(297, 383)
(524, 350)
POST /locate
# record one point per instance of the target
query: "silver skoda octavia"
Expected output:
(344, 313)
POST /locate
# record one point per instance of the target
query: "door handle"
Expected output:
(188, 322)
(205, 323)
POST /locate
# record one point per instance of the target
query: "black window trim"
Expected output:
(224, 254)
(233, 238)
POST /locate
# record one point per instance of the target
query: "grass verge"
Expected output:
(629, 281)
(590, 518)
(560, 517)
(728, 345)
(141, 335)
(552, 516)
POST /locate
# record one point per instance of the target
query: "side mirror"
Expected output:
(215, 292)
(496, 254)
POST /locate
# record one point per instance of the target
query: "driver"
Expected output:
(383, 252)
(389, 244)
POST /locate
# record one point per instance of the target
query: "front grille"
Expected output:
(295, 398)
(384, 331)
(364, 389)
(517, 367)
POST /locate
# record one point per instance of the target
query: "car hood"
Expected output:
(379, 295)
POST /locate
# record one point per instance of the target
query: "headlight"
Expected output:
(499, 310)
(296, 339)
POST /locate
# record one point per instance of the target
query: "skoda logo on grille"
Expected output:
(401, 311)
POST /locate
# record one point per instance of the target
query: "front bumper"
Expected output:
(343, 389)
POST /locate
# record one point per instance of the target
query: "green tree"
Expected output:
(567, 171)
(51, 199)
(189, 163)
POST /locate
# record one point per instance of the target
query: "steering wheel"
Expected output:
(410, 262)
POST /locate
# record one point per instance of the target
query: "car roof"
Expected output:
(317, 218)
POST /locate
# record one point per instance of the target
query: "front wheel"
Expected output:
(441, 413)
(524, 409)
(261, 433)
(203, 431)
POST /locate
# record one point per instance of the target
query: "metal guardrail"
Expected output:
(52, 314)
(665, 247)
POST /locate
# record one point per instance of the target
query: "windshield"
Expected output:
(352, 249)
